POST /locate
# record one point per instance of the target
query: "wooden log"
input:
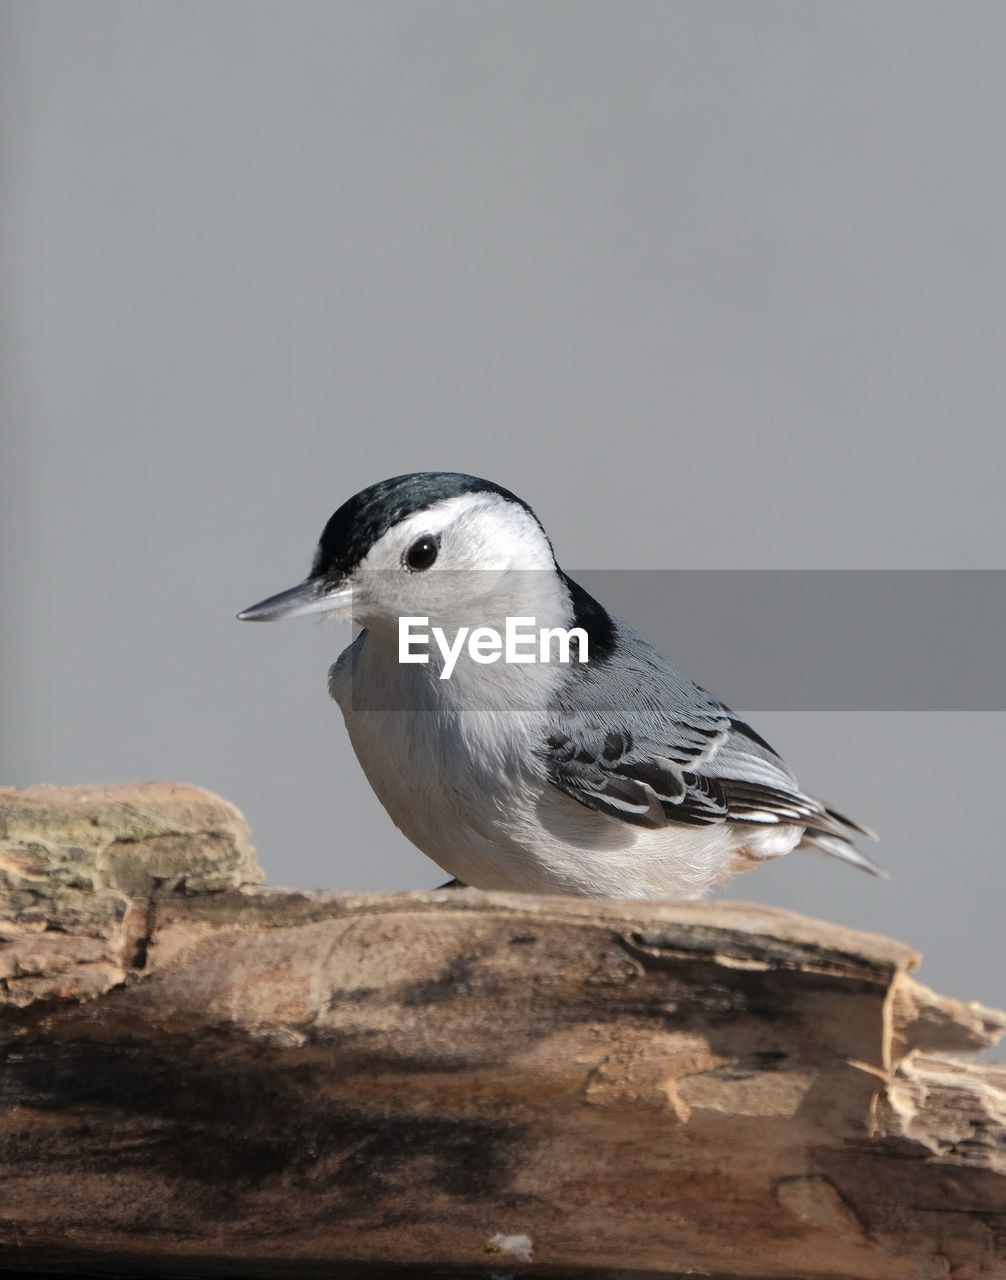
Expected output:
(202, 1076)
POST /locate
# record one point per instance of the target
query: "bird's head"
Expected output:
(447, 546)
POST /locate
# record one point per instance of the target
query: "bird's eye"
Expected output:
(422, 553)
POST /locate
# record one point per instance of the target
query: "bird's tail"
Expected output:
(832, 834)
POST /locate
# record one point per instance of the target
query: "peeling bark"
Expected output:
(205, 1077)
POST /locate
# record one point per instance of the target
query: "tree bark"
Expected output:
(203, 1076)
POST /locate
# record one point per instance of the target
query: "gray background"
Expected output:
(712, 285)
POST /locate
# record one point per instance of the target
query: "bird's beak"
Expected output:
(311, 596)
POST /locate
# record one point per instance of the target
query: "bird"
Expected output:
(612, 775)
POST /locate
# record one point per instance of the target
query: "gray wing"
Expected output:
(634, 738)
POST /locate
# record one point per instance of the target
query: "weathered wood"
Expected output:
(205, 1077)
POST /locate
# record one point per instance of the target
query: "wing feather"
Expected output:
(635, 739)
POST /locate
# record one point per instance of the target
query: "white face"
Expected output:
(465, 560)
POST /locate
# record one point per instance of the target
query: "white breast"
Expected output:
(457, 772)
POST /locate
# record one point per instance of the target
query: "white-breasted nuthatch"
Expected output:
(613, 775)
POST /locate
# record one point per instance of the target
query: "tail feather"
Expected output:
(838, 847)
(848, 822)
(831, 836)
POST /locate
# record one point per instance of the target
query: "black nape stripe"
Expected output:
(595, 620)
